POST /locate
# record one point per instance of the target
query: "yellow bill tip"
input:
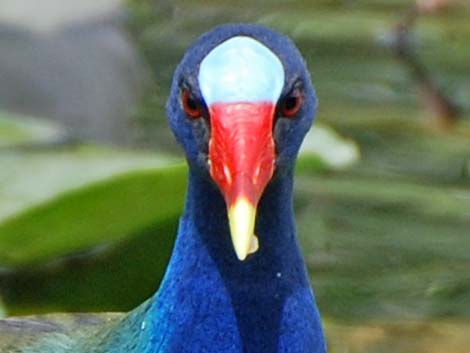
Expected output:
(242, 216)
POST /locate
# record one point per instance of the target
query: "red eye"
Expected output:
(190, 105)
(291, 104)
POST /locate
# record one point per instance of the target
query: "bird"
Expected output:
(240, 104)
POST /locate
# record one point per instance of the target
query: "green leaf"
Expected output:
(101, 213)
(324, 149)
(116, 278)
(17, 130)
(31, 177)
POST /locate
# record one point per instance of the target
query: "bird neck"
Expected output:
(222, 304)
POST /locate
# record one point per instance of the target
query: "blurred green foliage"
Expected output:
(18, 130)
(80, 219)
(387, 239)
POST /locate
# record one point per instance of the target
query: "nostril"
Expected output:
(228, 175)
(256, 174)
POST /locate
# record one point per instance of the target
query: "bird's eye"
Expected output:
(190, 105)
(291, 104)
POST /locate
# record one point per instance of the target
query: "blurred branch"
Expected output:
(441, 107)
(433, 6)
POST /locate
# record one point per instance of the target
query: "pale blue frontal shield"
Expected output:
(241, 69)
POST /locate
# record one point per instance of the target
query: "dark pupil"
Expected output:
(290, 103)
(191, 104)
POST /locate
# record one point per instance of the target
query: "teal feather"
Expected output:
(66, 333)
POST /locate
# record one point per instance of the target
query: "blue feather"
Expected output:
(209, 300)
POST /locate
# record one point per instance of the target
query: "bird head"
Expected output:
(241, 103)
